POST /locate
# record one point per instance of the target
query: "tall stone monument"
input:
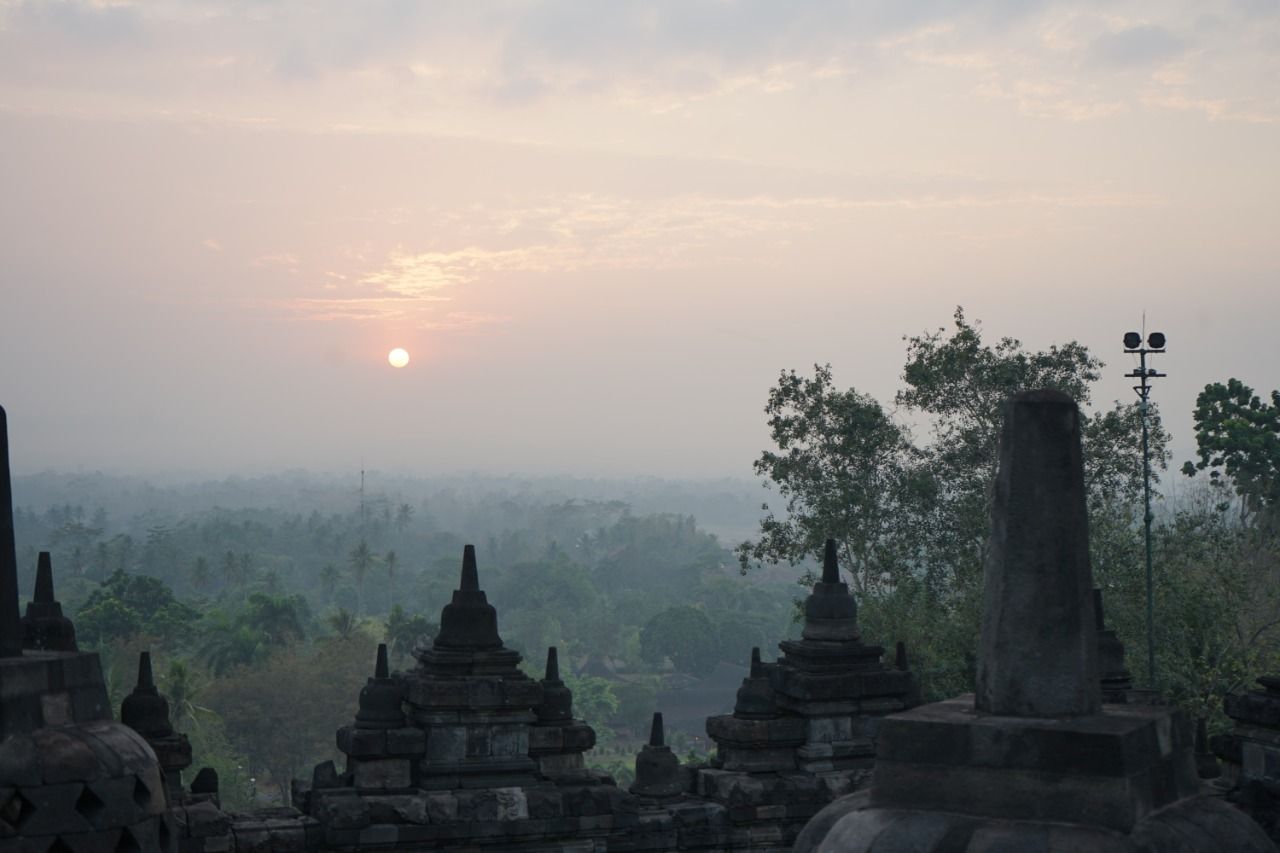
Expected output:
(1032, 761)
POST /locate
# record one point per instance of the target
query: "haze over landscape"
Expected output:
(601, 231)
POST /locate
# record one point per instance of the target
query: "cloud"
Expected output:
(575, 233)
(1134, 46)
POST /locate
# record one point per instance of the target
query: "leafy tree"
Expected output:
(594, 699)
(911, 521)
(845, 469)
(685, 635)
(1237, 434)
(276, 618)
(105, 620)
(405, 632)
(267, 722)
(128, 604)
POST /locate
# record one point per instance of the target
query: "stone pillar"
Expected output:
(1038, 653)
(44, 627)
(10, 628)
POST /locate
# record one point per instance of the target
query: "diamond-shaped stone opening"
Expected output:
(15, 811)
(127, 843)
(59, 846)
(90, 805)
(141, 794)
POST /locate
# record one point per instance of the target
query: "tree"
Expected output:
(200, 574)
(845, 469)
(404, 515)
(361, 559)
(911, 521)
(1238, 435)
(276, 618)
(343, 623)
(263, 714)
(128, 604)
(684, 634)
(390, 562)
(329, 577)
(404, 632)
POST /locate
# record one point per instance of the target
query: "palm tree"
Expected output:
(182, 688)
(343, 623)
(229, 568)
(200, 573)
(329, 577)
(390, 561)
(361, 560)
(404, 514)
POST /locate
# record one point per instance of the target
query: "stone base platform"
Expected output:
(949, 777)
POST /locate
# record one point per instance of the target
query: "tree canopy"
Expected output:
(1238, 435)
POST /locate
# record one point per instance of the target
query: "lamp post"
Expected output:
(1133, 343)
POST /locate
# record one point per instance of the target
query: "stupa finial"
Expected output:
(44, 579)
(470, 574)
(830, 563)
(656, 735)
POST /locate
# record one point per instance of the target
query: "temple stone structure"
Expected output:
(557, 741)
(467, 750)
(147, 713)
(1033, 761)
(804, 728)
(1250, 753)
(44, 627)
(71, 779)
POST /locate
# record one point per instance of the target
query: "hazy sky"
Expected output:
(602, 229)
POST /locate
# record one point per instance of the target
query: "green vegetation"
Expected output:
(263, 622)
(911, 518)
(263, 619)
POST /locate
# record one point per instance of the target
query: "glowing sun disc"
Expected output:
(398, 357)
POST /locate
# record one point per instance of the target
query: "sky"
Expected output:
(601, 230)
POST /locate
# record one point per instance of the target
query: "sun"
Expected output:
(398, 357)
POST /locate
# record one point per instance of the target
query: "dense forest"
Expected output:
(263, 600)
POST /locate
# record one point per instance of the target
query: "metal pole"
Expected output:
(1146, 523)
(1154, 344)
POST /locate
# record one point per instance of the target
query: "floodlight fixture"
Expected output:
(1155, 340)
(1132, 340)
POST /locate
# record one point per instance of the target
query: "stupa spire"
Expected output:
(44, 579)
(830, 563)
(553, 665)
(657, 736)
(470, 574)
(10, 625)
